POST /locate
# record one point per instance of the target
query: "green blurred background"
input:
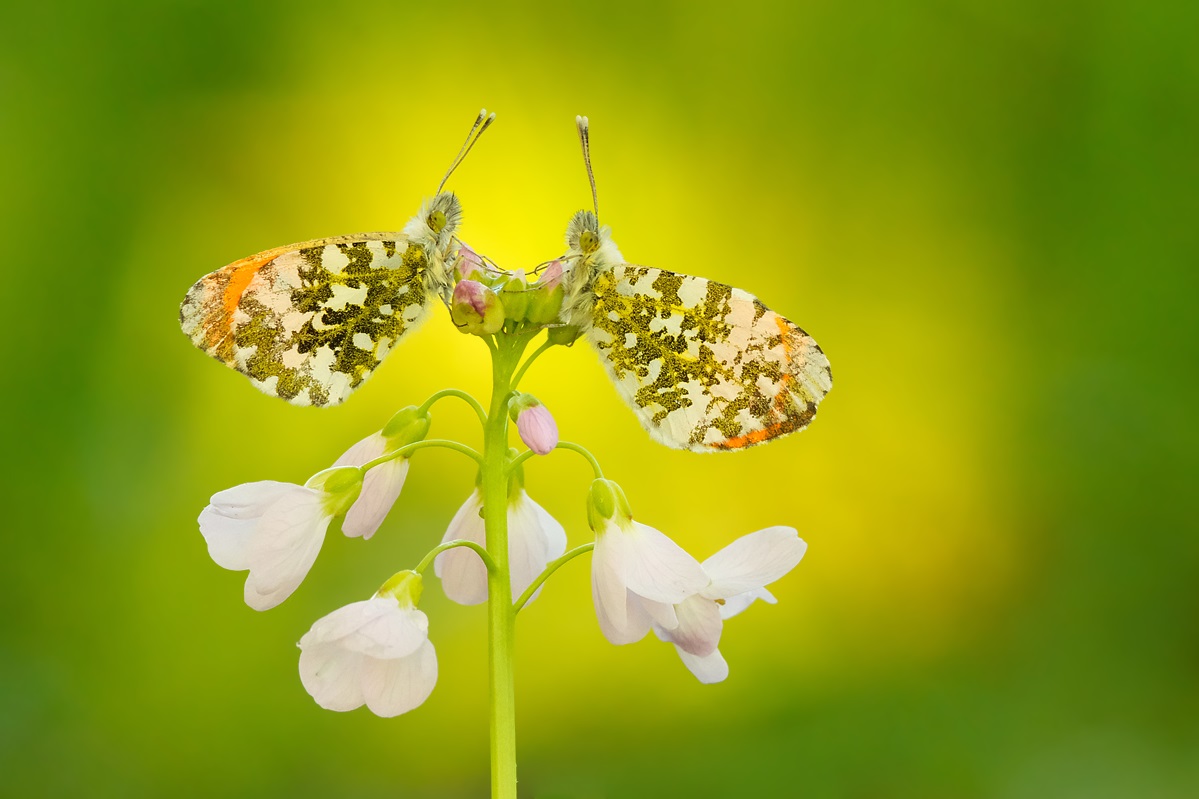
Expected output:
(986, 216)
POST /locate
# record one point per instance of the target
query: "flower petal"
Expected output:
(364, 451)
(397, 685)
(376, 627)
(331, 675)
(228, 522)
(656, 567)
(753, 561)
(608, 589)
(534, 539)
(699, 627)
(380, 486)
(284, 546)
(346, 620)
(538, 429)
(708, 669)
(735, 604)
(462, 572)
(661, 613)
(395, 634)
(380, 489)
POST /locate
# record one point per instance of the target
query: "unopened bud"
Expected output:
(545, 300)
(476, 309)
(535, 423)
(515, 295)
(468, 263)
(551, 277)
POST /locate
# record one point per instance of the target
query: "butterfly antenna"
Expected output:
(585, 139)
(482, 122)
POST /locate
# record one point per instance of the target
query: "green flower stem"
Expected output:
(501, 617)
(404, 452)
(462, 395)
(529, 362)
(545, 575)
(457, 542)
(570, 445)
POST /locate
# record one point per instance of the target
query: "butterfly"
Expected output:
(704, 366)
(310, 322)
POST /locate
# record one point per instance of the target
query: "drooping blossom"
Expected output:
(374, 652)
(275, 530)
(739, 574)
(383, 483)
(534, 539)
(638, 575)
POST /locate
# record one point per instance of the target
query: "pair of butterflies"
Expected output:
(705, 366)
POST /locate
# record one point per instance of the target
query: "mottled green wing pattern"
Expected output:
(309, 322)
(705, 366)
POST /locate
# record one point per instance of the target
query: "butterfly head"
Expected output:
(590, 243)
(437, 222)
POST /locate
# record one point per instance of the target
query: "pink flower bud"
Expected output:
(551, 277)
(476, 309)
(468, 262)
(471, 293)
(537, 428)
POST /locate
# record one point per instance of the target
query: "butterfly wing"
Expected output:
(309, 322)
(705, 366)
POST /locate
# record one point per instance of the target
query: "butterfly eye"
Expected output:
(588, 242)
(436, 221)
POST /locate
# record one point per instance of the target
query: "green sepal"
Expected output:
(341, 486)
(606, 501)
(408, 426)
(564, 335)
(519, 403)
(405, 587)
(545, 305)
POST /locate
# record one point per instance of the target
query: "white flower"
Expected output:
(275, 530)
(638, 577)
(375, 652)
(739, 574)
(382, 484)
(534, 539)
(380, 487)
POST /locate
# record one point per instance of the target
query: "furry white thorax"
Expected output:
(582, 268)
(441, 247)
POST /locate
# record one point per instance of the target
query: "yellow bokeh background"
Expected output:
(984, 215)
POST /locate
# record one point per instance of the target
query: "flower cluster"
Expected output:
(376, 652)
(485, 298)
